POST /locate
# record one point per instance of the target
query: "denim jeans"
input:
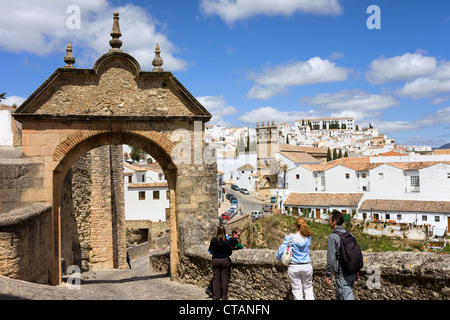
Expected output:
(344, 287)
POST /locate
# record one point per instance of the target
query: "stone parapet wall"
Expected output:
(257, 275)
(21, 183)
(23, 243)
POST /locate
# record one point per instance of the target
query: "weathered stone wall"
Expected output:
(20, 182)
(88, 215)
(256, 274)
(23, 243)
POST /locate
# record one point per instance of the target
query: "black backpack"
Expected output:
(350, 255)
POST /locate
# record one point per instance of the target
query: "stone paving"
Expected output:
(138, 283)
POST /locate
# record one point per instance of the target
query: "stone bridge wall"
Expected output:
(257, 275)
(23, 243)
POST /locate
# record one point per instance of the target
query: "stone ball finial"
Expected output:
(115, 43)
(69, 59)
(157, 61)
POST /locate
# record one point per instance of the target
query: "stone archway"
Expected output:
(76, 110)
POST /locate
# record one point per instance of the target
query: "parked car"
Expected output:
(229, 195)
(267, 207)
(232, 214)
(234, 201)
(244, 191)
(235, 187)
(225, 216)
(256, 214)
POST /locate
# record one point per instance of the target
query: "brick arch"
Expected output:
(79, 136)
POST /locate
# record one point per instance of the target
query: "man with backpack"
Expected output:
(344, 258)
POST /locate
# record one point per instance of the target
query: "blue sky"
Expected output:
(250, 61)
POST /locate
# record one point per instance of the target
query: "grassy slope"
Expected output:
(269, 233)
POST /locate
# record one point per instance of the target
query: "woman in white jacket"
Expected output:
(300, 270)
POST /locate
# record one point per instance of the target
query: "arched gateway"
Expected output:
(76, 110)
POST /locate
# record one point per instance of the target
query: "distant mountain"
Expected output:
(445, 146)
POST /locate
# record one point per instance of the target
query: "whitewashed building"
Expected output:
(246, 177)
(146, 192)
(392, 188)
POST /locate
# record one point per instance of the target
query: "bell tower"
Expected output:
(267, 147)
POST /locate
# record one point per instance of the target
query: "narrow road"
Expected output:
(246, 202)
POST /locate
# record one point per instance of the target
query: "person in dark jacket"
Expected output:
(235, 245)
(220, 249)
(344, 283)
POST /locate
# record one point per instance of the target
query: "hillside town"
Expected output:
(312, 168)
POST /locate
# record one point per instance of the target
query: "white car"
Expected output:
(256, 214)
(244, 191)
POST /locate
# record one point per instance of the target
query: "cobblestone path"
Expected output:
(138, 283)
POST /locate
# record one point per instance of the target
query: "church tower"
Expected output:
(267, 147)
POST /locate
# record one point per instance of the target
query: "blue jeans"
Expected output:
(344, 287)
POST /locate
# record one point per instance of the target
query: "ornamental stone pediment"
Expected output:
(115, 87)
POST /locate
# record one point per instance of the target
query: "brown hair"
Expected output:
(221, 234)
(302, 226)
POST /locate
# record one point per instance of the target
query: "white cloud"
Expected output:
(387, 126)
(352, 100)
(218, 107)
(400, 68)
(235, 10)
(13, 100)
(441, 117)
(268, 113)
(424, 76)
(273, 80)
(264, 93)
(424, 88)
(40, 27)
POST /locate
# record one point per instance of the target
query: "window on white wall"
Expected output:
(437, 218)
(380, 175)
(141, 195)
(424, 218)
(415, 182)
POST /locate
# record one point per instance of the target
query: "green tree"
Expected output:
(2, 96)
(340, 154)
(334, 154)
(329, 155)
(136, 154)
(346, 154)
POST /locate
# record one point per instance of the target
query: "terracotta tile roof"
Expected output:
(148, 185)
(319, 167)
(246, 166)
(393, 153)
(406, 205)
(142, 167)
(324, 199)
(134, 167)
(441, 151)
(415, 165)
(292, 148)
(299, 157)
